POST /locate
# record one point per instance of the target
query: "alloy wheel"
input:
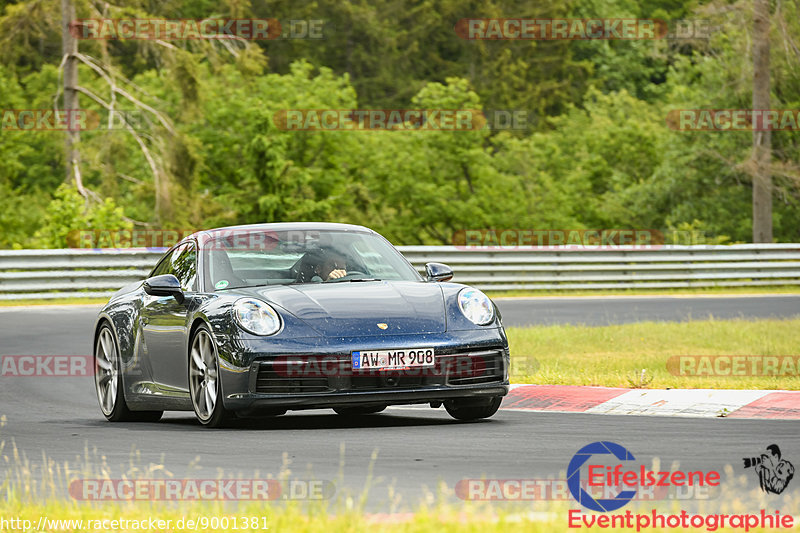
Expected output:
(106, 376)
(203, 375)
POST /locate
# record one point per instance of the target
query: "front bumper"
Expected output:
(252, 403)
(315, 374)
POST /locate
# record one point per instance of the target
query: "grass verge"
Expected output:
(55, 301)
(615, 356)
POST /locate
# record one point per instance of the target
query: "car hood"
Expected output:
(356, 308)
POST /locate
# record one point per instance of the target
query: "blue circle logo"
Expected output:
(574, 476)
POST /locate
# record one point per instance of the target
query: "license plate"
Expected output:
(393, 359)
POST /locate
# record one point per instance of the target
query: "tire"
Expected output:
(109, 384)
(359, 410)
(469, 409)
(205, 387)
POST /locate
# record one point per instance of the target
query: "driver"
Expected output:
(332, 268)
(321, 265)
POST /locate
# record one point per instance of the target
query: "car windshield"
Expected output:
(250, 258)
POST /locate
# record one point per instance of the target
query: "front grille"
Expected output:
(315, 374)
(476, 368)
(387, 380)
(269, 380)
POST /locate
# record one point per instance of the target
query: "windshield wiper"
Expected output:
(353, 280)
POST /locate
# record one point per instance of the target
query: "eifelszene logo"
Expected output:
(616, 477)
(774, 473)
(574, 477)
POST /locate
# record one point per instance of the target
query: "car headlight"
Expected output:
(256, 317)
(476, 306)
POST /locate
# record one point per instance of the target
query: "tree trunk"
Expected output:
(69, 45)
(762, 140)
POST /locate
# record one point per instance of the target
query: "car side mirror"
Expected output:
(164, 285)
(438, 272)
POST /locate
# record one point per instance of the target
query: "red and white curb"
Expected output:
(701, 403)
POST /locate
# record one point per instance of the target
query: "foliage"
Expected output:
(598, 151)
(67, 214)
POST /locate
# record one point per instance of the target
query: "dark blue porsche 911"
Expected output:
(256, 320)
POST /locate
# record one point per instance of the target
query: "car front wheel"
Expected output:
(204, 383)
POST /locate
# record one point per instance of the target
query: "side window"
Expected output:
(163, 266)
(182, 262)
(184, 266)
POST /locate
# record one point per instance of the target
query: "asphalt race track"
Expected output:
(604, 310)
(416, 447)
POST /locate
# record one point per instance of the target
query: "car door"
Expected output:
(165, 324)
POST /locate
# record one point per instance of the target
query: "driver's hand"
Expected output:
(338, 273)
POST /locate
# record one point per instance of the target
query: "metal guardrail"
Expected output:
(47, 274)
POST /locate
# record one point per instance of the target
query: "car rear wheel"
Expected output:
(359, 410)
(470, 409)
(109, 385)
(204, 383)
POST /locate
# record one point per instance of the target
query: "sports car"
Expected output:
(256, 320)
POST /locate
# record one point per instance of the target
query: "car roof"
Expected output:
(204, 235)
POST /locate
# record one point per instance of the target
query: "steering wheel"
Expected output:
(350, 274)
